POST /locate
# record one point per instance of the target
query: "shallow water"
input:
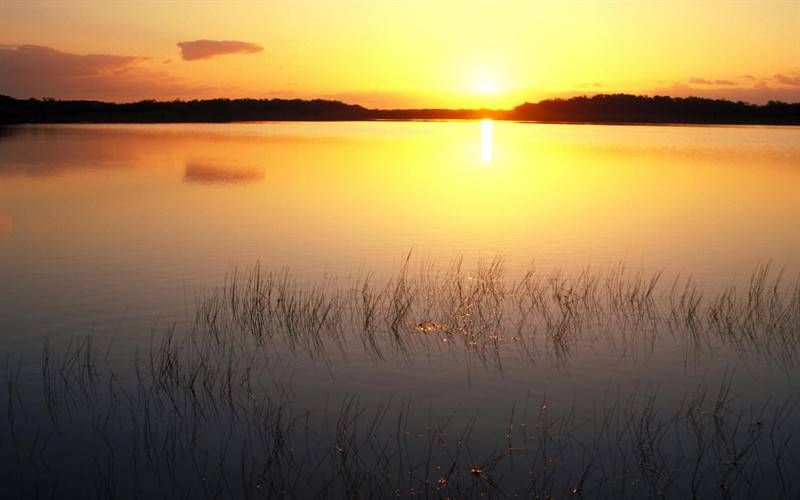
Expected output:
(120, 231)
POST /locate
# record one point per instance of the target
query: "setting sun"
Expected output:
(487, 87)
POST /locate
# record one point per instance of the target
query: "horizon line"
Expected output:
(349, 103)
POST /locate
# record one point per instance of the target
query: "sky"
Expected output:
(399, 54)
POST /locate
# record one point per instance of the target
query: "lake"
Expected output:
(621, 302)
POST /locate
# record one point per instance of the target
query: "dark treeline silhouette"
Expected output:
(622, 108)
(212, 110)
(604, 108)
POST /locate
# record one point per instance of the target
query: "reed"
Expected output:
(205, 412)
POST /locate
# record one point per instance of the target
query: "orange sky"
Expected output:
(399, 54)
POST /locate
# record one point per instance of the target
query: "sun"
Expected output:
(485, 81)
(487, 86)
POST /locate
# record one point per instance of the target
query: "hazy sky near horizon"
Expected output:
(399, 54)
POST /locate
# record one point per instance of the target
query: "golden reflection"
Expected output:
(215, 174)
(487, 138)
(348, 192)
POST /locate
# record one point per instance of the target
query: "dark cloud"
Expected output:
(46, 62)
(206, 49)
(791, 80)
(37, 71)
(703, 81)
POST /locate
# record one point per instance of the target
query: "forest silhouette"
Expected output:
(601, 108)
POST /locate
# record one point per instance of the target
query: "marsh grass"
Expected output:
(536, 316)
(205, 413)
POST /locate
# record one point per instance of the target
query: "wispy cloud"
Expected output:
(747, 87)
(756, 91)
(39, 71)
(47, 62)
(589, 85)
(198, 50)
(791, 80)
(704, 81)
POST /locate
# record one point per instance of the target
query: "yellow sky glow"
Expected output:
(412, 54)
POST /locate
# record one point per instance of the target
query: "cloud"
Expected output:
(589, 85)
(758, 92)
(46, 62)
(206, 49)
(757, 89)
(38, 71)
(703, 81)
(791, 80)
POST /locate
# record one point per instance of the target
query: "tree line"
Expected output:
(601, 108)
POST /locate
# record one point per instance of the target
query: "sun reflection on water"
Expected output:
(487, 138)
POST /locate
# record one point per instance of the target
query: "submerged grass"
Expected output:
(536, 315)
(203, 413)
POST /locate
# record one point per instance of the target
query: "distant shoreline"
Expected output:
(616, 109)
(8, 125)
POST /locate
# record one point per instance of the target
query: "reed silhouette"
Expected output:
(204, 413)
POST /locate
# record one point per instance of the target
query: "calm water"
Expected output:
(119, 230)
(100, 219)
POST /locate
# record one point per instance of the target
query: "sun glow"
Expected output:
(487, 87)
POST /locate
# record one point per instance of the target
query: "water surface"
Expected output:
(121, 230)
